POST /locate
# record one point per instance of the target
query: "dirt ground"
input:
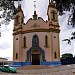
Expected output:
(44, 70)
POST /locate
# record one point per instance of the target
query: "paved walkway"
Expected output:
(59, 70)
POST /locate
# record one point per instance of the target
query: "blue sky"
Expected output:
(6, 40)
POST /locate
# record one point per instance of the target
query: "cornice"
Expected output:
(54, 20)
(17, 28)
(54, 25)
(39, 18)
(38, 30)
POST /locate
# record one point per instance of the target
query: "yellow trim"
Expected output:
(54, 25)
(58, 48)
(20, 27)
(51, 52)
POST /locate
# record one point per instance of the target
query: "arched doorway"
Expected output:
(35, 54)
(35, 57)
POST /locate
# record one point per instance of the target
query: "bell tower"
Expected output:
(18, 17)
(17, 36)
(52, 12)
(54, 31)
(37, 41)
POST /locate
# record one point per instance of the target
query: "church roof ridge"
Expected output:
(32, 19)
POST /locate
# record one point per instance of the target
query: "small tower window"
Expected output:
(46, 41)
(54, 36)
(24, 42)
(56, 16)
(53, 15)
(16, 20)
(22, 20)
(55, 55)
(16, 55)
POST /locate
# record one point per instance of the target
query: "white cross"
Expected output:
(18, 3)
(49, 1)
(34, 5)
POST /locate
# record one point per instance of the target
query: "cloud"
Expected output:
(65, 33)
(8, 53)
(6, 41)
(42, 7)
(28, 8)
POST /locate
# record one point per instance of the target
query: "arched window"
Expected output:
(22, 20)
(35, 40)
(46, 41)
(16, 55)
(24, 42)
(56, 16)
(55, 55)
(53, 15)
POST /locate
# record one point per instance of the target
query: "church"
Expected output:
(36, 42)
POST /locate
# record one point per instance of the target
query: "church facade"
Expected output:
(36, 41)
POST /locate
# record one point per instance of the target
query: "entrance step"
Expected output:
(33, 67)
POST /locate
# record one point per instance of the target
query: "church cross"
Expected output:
(18, 2)
(49, 1)
(34, 5)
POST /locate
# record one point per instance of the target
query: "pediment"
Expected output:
(36, 24)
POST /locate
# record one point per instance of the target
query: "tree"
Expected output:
(67, 5)
(6, 11)
(67, 55)
(71, 38)
(7, 8)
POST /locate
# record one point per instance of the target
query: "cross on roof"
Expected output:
(49, 1)
(34, 5)
(18, 2)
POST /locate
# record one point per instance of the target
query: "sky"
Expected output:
(6, 39)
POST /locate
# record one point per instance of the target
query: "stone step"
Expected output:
(33, 67)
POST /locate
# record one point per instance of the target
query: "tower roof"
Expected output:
(51, 1)
(19, 9)
(52, 4)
